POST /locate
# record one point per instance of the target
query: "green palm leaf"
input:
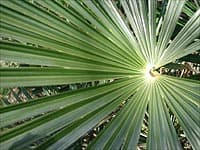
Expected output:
(88, 40)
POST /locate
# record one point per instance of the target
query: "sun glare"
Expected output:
(148, 73)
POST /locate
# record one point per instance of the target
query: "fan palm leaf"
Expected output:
(88, 40)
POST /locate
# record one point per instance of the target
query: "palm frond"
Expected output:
(68, 41)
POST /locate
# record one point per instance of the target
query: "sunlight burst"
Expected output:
(149, 75)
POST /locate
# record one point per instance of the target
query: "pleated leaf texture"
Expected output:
(91, 40)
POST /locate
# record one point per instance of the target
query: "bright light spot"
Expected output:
(148, 73)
